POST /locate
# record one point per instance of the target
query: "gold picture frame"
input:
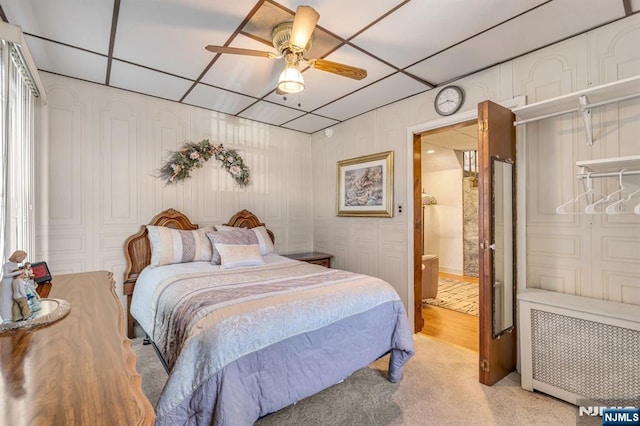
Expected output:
(365, 186)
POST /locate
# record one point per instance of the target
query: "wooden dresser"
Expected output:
(79, 370)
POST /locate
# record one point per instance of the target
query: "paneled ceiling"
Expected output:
(157, 47)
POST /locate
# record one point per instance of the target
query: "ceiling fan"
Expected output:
(292, 39)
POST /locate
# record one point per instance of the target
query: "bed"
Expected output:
(251, 332)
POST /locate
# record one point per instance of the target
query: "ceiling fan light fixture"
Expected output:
(291, 80)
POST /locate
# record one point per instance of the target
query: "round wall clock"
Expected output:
(449, 100)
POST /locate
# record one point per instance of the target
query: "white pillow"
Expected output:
(177, 246)
(264, 240)
(236, 255)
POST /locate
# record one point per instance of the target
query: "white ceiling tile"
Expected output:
(389, 90)
(310, 123)
(171, 35)
(514, 38)
(143, 80)
(159, 47)
(345, 18)
(68, 61)
(245, 74)
(218, 100)
(85, 24)
(267, 112)
(323, 87)
(421, 28)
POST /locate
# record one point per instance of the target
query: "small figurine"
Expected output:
(20, 308)
(32, 295)
(10, 270)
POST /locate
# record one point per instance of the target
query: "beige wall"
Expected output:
(568, 254)
(99, 157)
(444, 220)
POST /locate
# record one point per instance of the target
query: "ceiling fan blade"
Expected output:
(238, 51)
(336, 68)
(303, 25)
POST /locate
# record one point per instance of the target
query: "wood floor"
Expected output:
(451, 326)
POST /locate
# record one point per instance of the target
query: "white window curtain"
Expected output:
(17, 127)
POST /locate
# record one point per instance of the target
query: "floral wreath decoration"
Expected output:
(193, 155)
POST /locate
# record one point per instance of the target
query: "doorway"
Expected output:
(449, 240)
(496, 158)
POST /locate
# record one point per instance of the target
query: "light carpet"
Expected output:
(461, 296)
(440, 387)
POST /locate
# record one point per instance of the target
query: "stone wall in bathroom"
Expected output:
(470, 227)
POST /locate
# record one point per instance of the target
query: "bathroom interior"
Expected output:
(450, 235)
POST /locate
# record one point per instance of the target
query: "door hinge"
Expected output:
(483, 125)
(484, 365)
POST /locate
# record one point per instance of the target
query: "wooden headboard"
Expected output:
(137, 248)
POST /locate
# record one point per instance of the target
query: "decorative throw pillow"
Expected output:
(177, 246)
(237, 256)
(261, 238)
(237, 236)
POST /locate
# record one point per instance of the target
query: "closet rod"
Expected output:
(608, 174)
(610, 101)
(578, 109)
(542, 117)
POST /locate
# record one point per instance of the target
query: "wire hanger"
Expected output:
(591, 208)
(569, 206)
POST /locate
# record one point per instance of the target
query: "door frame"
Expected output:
(442, 123)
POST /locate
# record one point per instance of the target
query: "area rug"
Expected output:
(461, 296)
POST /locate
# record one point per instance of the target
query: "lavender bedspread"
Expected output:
(244, 343)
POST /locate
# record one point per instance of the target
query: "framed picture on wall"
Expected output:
(365, 186)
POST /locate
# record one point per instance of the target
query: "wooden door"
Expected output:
(496, 139)
(418, 320)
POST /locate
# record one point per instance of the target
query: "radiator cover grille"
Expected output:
(587, 358)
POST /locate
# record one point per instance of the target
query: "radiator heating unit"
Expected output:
(579, 349)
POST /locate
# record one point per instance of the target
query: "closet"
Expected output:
(625, 199)
(584, 349)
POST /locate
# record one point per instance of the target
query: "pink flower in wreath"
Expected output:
(235, 170)
(194, 155)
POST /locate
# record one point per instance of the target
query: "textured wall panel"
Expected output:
(119, 164)
(554, 245)
(621, 249)
(622, 287)
(556, 277)
(66, 243)
(66, 160)
(106, 166)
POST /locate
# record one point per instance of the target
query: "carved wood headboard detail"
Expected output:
(246, 219)
(137, 248)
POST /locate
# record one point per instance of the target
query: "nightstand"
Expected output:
(322, 259)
